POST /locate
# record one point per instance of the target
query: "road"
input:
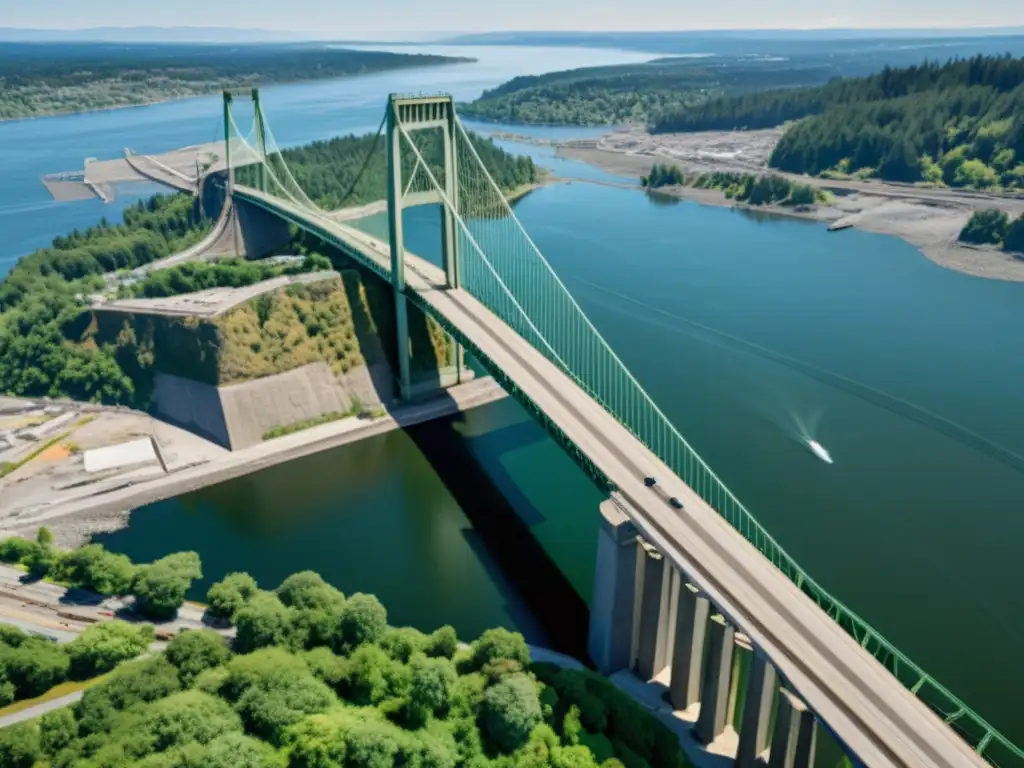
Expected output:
(862, 703)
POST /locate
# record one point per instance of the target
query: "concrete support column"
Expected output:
(612, 609)
(793, 739)
(715, 691)
(688, 654)
(650, 638)
(757, 711)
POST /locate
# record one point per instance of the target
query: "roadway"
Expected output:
(880, 721)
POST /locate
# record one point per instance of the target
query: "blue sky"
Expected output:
(354, 18)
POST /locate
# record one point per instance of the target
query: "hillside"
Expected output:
(48, 345)
(959, 124)
(53, 78)
(635, 92)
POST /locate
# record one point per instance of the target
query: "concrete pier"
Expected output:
(688, 653)
(650, 638)
(795, 734)
(715, 693)
(757, 712)
(612, 610)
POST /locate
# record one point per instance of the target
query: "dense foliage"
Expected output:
(316, 679)
(44, 295)
(40, 79)
(159, 588)
(195, 276)
(959, 124)
(744, 187)
(635, 92)
(994, 227)
(352, 170)
(30, 665)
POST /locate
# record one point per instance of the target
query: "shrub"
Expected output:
(267, 710)
(402, 642)
(230, 593)
(188, 716)
(103, 646)
(194, 651)
(430, 690)
(987, 226)
(308, 590)
(363, 620)
(510, 711)
(442, 642)
(35, 666)
(262, 622)
(57, 729)
(93, 567)
(15, 549)
(20, 746)
(133, 683)
(497, 644)
(160, 588)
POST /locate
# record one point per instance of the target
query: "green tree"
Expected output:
(15, 549)
(35, 666)
(234, 750)
(363, 620)
(262, 622)
(93, 567)
(20, 746)
(194, 651)
(160, 588)
(269, 709)
(1014, 240)
(431, 687)
(500, 644)
(231, 593)
(510, 711)
(102, 647)
(442, 642)
(189, 716)
(44, 537)
(131, 684)
(57, 729)
(988, 226)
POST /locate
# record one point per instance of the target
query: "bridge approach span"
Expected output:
(875, 717)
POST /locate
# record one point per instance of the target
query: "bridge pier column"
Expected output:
(795, 734)
(613, 607)
(757, 711)
(688, 653)
(651, 638)
(715, 690)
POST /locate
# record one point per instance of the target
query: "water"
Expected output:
(752, 333)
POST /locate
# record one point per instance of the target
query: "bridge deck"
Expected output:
(864, 705)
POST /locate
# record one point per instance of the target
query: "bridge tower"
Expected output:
(405, 116)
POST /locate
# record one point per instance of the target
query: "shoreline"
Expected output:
(928, 219)
(219, 89)
(73, 521)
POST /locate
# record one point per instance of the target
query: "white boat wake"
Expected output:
(819, 450)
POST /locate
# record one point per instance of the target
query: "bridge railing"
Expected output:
(503, 268)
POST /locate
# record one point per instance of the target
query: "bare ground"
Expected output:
(928, 218)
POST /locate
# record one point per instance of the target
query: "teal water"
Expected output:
(750, 332)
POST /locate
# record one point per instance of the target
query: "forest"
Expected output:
(48, 346)
(633, 93)
(315, 678)
(767, 189)
(46, 78)
(994, 227)
(957, 124)
(352, 170)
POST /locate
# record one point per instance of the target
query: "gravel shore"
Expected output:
(928, 218)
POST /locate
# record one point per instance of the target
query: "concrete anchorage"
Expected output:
(645, 617)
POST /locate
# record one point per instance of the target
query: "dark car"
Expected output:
(676, 503)
(649, 481)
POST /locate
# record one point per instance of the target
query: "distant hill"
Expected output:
(152, 35)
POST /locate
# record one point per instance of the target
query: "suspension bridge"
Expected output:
(682, 564)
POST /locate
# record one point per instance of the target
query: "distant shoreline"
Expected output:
(928, 219)
(219, 88)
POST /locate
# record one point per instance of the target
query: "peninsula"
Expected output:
(38, 79)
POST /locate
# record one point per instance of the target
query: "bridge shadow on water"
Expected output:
(533, 585)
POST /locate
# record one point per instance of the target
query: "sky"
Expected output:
(358, 18)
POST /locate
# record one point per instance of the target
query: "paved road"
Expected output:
(867, 708)
(40, 709)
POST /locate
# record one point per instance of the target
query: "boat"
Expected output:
(819, 450)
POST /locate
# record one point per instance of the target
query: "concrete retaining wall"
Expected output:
(237, 416)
